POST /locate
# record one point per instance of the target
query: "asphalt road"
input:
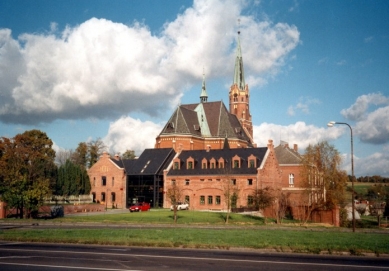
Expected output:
(38, 256)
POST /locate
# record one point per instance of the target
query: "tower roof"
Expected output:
(239, 72)
(210, 119)
(203, 95)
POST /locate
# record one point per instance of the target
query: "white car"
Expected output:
(180, 206)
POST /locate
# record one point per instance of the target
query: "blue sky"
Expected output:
(115, 70)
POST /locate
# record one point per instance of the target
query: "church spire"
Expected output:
(203, 95)
(239, 72)
(239, 94)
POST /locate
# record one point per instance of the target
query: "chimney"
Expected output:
(208, 148)
(270, 144)
(117, 157)
(295, 147)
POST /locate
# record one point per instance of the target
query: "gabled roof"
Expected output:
(151, 162)
(210, 119)
(287, 156)
(226, 154)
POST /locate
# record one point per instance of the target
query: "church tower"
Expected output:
(239, 94)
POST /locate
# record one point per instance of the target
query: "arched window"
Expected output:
(291, 180)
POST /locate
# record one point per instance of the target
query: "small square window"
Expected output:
(175, 165)
(233, 181)
(173, 182)
(187, 182)
(201, 180)
(249, 181)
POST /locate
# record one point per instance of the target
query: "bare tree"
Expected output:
(174, 194)
(62, 156)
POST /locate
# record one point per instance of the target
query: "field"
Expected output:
(202, 230)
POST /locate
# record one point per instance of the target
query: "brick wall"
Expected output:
(112, 191)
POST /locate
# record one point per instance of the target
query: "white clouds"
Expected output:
(371, 126)
(375, 164)
(303, 105)
(298, 133)
(359, 108)
(127, 133)
(105, 69)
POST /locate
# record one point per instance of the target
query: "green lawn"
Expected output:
(204, 230)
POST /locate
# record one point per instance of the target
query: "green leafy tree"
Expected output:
(72, 179)
(27, 171)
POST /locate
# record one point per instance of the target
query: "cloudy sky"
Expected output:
(115, 70)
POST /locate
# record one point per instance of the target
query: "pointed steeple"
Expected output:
(239, 72)
(203, 95)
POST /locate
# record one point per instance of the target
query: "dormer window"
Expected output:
(176, 163)
(252, 161)
(212, 163)
(221, 162)
(204, 163)
(236, 161)
(190, 165)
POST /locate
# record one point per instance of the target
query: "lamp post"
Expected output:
(331, 124)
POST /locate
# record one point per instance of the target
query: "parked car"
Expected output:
(140, 207)
(180, 206)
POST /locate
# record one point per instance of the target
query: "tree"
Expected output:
(129, 154)
(174, 194)
(321, 171)
(263, 198)
(62, 156)
(72, 179)
(95, 149)
(27, 171)
(230, 192)
(80, 156)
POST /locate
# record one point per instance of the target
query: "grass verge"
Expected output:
(278, 239)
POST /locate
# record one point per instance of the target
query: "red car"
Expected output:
(140, 207)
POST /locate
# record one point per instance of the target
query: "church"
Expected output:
(210, 125)
(209, 153)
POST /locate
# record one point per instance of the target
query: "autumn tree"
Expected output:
(87, 154)
(27, 171)
(174, 194)
(80, 155)
(321, 170)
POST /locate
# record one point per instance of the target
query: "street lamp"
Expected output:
(331, 124)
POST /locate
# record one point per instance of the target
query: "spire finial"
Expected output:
(203, 95)
(239, 26)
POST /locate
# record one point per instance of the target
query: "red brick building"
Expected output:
(108, 181)
(302, 191)
(207, 177)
